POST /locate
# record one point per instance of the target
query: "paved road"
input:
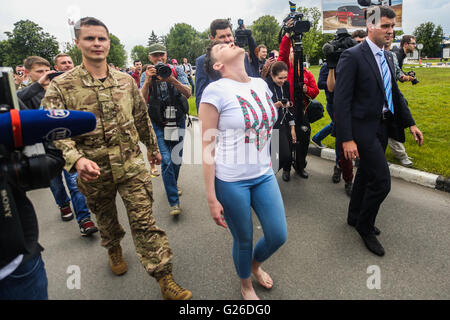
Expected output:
(324, 258)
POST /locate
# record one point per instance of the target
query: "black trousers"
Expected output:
(372, 181)
(282, 151)
(303, 131)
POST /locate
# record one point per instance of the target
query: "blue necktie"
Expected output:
(387, 81)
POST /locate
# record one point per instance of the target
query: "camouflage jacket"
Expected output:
(122, 120)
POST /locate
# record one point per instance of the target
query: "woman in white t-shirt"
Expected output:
(237, 116)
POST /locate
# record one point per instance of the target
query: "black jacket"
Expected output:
(359, 97)
(32, 95)
(285, 115)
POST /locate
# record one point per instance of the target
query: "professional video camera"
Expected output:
(23, 159)
(333, 49)
(300, 25)
(241, 34)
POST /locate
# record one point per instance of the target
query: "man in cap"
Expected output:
(166, 91)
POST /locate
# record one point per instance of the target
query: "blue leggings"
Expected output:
(263, 195)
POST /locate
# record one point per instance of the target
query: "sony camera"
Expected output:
(31, 167)
(241, 34)
(300, 25)
(413, 74)
(333, 49)
(163, 70)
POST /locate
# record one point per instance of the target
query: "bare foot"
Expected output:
(263, 278)
(249, 294)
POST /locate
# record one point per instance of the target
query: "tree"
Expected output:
(140, 53)
(27, 39)
(183, 41)
(117, 54)
(153, 39)
(312, 39)
(431, 37)
(265, 30)
(75, 53)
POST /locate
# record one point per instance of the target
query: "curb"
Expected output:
(422, 178)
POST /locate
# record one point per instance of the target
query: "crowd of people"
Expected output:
(251, 129)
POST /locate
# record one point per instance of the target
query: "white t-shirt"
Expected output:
(246, 119)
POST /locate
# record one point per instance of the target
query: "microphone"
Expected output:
(28, 127)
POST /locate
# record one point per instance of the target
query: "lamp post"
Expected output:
(420, 47)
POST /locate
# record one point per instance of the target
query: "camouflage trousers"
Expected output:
(152, 245)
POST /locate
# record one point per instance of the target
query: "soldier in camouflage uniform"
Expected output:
(109, 159)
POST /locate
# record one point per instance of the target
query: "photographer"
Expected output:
(310, 91)
(21, 79)
(398, 149)
(278, 84)
(407, 45)
(22, 270)
(221, 30)
(169, 91)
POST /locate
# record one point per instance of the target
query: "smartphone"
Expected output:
(271, 55)
(53, 75)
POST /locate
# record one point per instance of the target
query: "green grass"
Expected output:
(429, 102)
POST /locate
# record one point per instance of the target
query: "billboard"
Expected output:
(350, 15)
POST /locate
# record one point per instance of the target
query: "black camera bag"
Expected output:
(314, 111)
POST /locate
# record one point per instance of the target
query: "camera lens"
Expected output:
(163, 70)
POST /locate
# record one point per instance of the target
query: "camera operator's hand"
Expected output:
(350, 150)
(332, 60)
(150, 73)
(44, 81)
(87, 170)
(406, 78)
(18, 78)
(154, 159)
(417, 134)
(278, 104)
(305, 88)
(289, 25)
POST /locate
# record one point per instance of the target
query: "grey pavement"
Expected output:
(323, 258)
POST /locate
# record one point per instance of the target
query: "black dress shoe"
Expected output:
(286, 176)
(348, 188)
(373, 244)
(376, 231)
(302, 173)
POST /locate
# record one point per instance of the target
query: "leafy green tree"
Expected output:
(140, 53)
(75, 53)
(431, 37)
(27, 39)
(312, 39)
(117, 54)
(265, 30)
(153, 39)
(183, 41)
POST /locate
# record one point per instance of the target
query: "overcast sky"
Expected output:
(132, 21)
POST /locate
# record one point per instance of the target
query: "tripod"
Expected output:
(302, 127)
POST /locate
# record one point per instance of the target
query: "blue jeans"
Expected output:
(263, 195)
(27, 282)
(325, 131)
(61, 198)
(171, 164)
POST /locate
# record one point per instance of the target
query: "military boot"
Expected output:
(170, 290)
(116, 262)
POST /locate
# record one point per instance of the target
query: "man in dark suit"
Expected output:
(370, 108)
